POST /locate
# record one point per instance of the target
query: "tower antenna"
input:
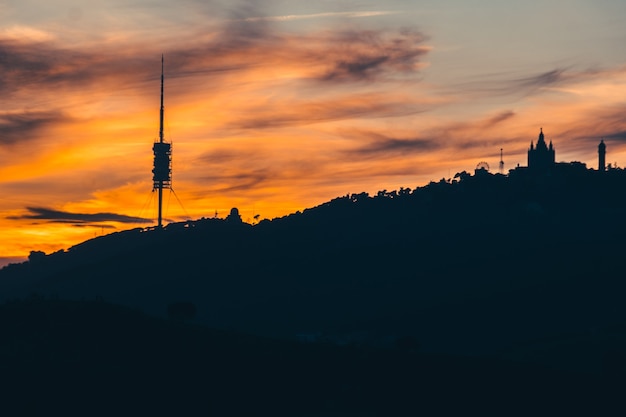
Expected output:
(501, 163)
(162, 168)
(162, 108)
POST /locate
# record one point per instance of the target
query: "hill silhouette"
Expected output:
(71, 358)
(523, 268)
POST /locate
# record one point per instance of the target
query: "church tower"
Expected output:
(601, 156)
(541, 157)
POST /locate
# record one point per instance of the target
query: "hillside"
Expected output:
(487, 265)
(76, 358)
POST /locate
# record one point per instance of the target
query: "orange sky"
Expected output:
(276, 109)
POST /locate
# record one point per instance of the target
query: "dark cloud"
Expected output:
(378, 145)
(349, 107)
(503, 84)
(224, 156)
(239, 45)
(499, 118)
(98, 225)
(55, 216)
(331, 56)
(459, 138)
(240, 30)
(46, 66)
(619, 136)
(540, 80)
(357, 68)
(608, 123)
(15, 127)
(243, 180)
(253, 169)
(367, 55)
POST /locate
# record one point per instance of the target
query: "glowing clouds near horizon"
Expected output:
(264, 116)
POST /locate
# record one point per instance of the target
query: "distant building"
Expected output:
(602, 156)
(541, 158)
(234, 216)
(542, 161)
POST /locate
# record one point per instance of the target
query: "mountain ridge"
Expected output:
(491, 258)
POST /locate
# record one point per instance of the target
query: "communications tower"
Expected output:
(501, 163)
(162, 168)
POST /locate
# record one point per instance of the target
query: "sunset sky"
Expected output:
(279, 105)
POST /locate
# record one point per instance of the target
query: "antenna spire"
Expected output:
(162, 170)
(162, 108)
(501, 163)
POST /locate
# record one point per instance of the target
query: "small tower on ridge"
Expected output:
(602, 156)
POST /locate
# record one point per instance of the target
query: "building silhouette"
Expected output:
(602, 156)
(542, 162)
(541, 158)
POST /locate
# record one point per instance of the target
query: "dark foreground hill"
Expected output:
(91, 358)
(523, 268)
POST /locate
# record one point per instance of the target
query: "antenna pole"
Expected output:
(162, 109)
(162, 170)
(160, 219)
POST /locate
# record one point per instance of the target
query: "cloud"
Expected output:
(16, 127)
(582, 136)
(504, 84)
(21, 33)
(355, 106)
(381, 146)
(78, 219)
(540, 80)
(457, 136)
(245, 170)
(45, 71)
(244, 181)
(499, 118)
(323, 56)
(26, 63)
(619, 136)
(291, 17)
(366, 54)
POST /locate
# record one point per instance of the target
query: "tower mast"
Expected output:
(162, 169)
(602, 156)
(160, 218)
(501, 163)
(162, 108)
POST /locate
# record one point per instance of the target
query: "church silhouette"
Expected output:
(542, 161)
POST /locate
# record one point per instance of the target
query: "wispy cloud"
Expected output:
(354, 106)
(21, 126)
(81, 219)
(380, 146)
(365, 55)
(291, 17)
(491, 85)
(499, 118)
(33, 68)
(458, 139)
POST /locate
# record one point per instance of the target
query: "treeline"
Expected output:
(494, 260)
